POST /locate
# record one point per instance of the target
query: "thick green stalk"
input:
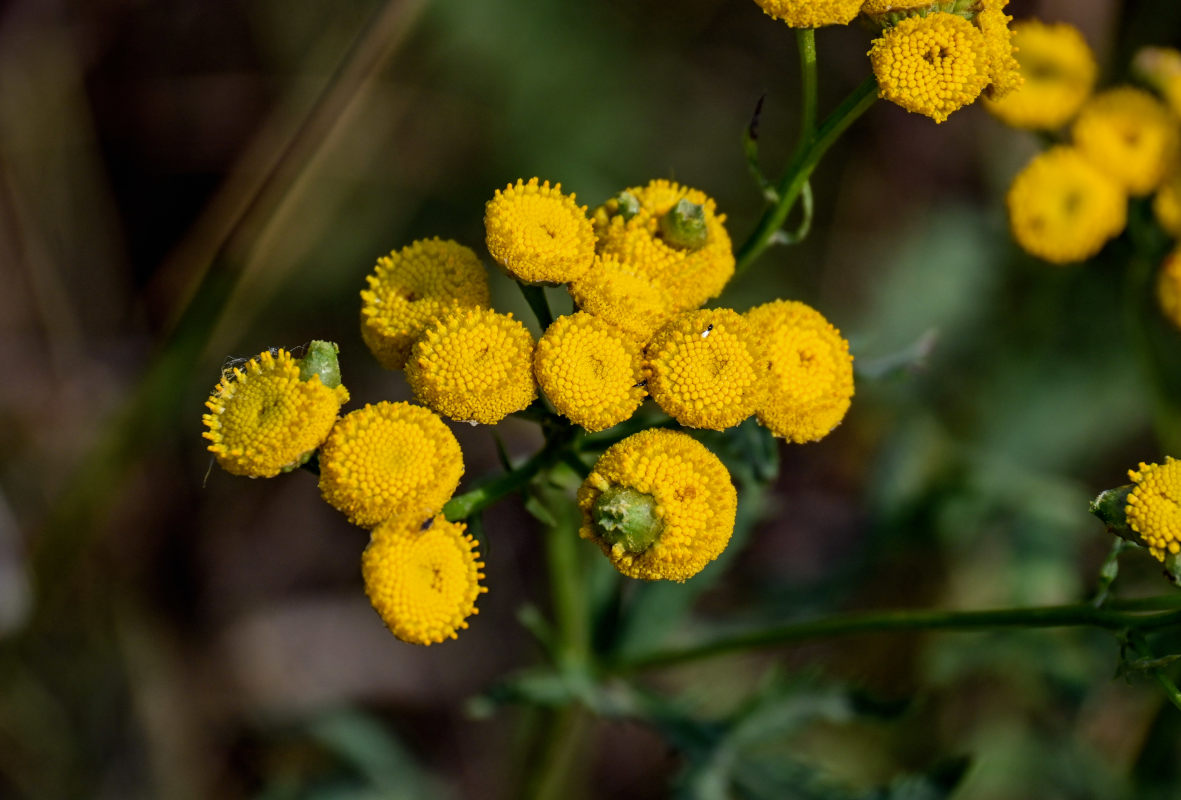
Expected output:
(806, 39)
(535, 297)
(464, 505)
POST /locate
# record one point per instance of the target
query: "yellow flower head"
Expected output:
(539, 234)
(811, 13)
(689, 275)
(1059, 71)
(811, 371)
(422, 578)
(1168, 287)
(1167, 203)
(931, 64)
(659, 505)
(411, 288)
(591, 371)
(1004, 71)
(706, 369)
(388, 459)
(1160, 68)
(622, 296)
(474, 365)
(1062, 209)
(264, 419)
(1154, 506)
(1130, 135)
(877, 8)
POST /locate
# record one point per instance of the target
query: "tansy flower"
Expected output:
(591, 371)
(1168, 287)
(1059, 71)
(878, 8)
(811, 13)
(265, 418)
(931, 64)
(539, 234)
(1166, 205)
(474, 365)
(659, 505)
(1004, 71)
(411, 288)
(1154, 506)
(706, 370)
(1062, 209)
(387, 459)
(622, 296)
(811, 371)
(422, 578)
(1130, 135)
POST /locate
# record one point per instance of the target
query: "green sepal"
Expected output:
(321, 360)
(1111, 506)
(622, 515)
(684, 225)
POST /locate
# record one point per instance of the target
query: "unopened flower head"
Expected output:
(591, 371)
(811, 13)
(811, 371)
(706, 369)
(1059, 70)
(411, 288)
(1004, 71)
(474, 365)
(931, 64)
(1062, 209)
(388, 459)
(422, 575)
(1168, 287)
(1166, 205)
(659, 504)
(538, 234)
(265, 418)
(623, 296)
(1154, 506)
(1130, 135)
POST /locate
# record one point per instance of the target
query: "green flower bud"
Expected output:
(628, 205)
(1110, 506)
(684, 226)
(622, 515)
(321, 360)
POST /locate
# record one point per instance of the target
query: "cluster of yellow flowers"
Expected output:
(1154, 507)
(933, 56)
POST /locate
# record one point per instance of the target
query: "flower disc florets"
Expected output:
(264, 419)
(1004, 71)
(591, 371)
(1059, 71)
(474, 365)
(388, 459)
(1130, 136)
(706, 370)
(539, 234)
(678, 515)
(411, 288)
(811, 13)
(623, 296)
(1154, 506)
(422, 575)
(810, 371)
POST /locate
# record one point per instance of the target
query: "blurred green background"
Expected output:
(184, 182)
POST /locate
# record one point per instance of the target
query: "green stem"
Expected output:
(1163, 602)
(802, 166)
(1166, 683)
(464, 505)
(806, 40)
(1083, 614)
(535, 297)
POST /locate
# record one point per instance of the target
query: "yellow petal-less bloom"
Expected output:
(811, 371)
(1168, 287)
(1004, 70)
(388, 459)
(591, 371)
(1166, 205)
(1130, 135)
(411, 288)
(811, 13)
(1059, 70)
(1154, 506)
(539, 234)
(875, 8)
(264, 420)
(622, 296)
(423, 578)
(931, 64)
(683, 489)
(474, 365)
(1062, 209)
(706, 369)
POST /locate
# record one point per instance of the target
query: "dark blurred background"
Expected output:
(183, 182)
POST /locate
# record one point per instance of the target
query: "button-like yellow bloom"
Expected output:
(539, 234)
(265, 420)
(1004, 71)
(474, 366)
(1166, 205)
(1062, 209)
(689, 275)
(1130, 135)
(931, 64)
(411, 288)
(811, 13)
(423, 577)
(811, 371)
(1059, 70)
(1154, 506)
(591, 371)
(622, 296)
(1168, 288)
(878, 8)
(659, 504)
(388, 459)
(706, 369)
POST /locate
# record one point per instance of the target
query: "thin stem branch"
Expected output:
(464, 505)
(806, 39)
(535, 297)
